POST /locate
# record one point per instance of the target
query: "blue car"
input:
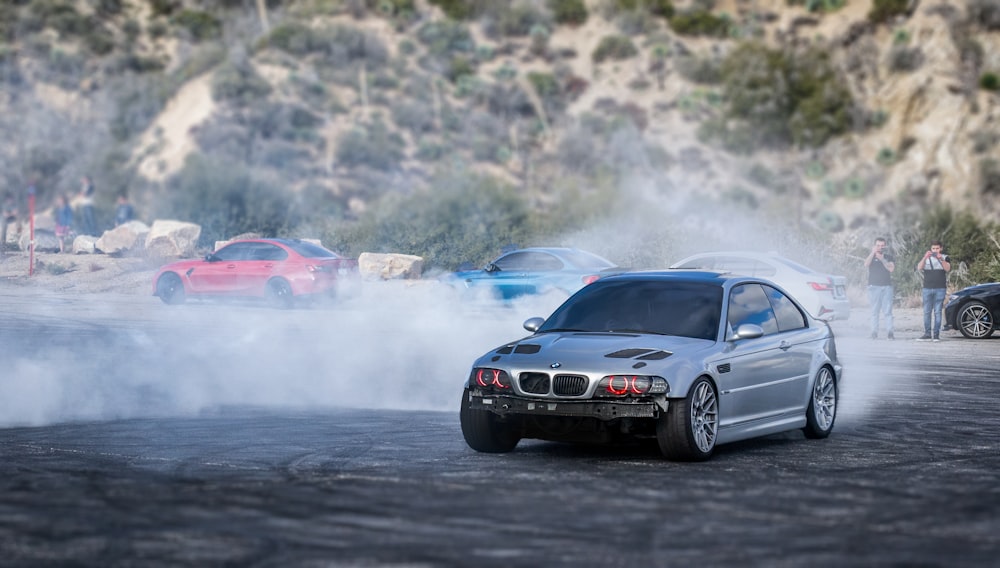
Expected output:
(536, 270)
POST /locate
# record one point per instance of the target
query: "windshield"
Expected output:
(687, 309)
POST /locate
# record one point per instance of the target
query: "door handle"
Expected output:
(230, 266)
(784, 345)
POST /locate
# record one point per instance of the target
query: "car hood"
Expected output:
(979, 288)
(596, 352)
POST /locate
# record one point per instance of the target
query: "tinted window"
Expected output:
(749, 304)
(234, 251)
(787, 313)
(688, 309)
(264, 251)
(528, 262)
(309, 250)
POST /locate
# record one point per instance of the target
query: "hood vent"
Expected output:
(528, 348)
(506, 350)
(640, 354)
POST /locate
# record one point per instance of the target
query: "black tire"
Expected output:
(690, 428)
(484, 431)
(822, 410)
(170, 289)
(279, 293)
(975, 321)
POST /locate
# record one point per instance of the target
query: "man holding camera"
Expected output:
(880, 266)
(935, 267)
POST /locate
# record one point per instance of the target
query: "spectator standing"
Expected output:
(125, 212)
(64, 221)
(880, 264)
(8, 216)
(935, 267)
(87, 206)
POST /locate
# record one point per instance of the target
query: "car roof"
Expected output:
(680, 275)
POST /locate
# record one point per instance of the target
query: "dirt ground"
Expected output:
(84, 273)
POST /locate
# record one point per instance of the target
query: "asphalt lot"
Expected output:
(207, 434)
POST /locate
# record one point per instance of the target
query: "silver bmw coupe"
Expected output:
(691, 359)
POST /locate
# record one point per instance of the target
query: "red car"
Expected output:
(279, 270)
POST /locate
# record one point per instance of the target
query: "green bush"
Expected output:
(989, 174)
(240, 85)
(614, 47)
(662, 8)
(990, 81)
(461, 218)
(571, 12)
(884, 10)
(703, 70)
(227, 199)
(461, 9)
(371, 145)
(700, 23)
(774, 99)
(201, 25)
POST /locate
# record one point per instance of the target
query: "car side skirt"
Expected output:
(761, 427)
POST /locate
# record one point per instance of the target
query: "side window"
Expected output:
(512, 261)
(541, 261)
(265, 251)
(235, 251)
(749, 304)
(788, 314)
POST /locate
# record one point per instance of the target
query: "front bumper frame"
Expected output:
(504, 405)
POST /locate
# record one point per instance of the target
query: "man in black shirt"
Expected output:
(935, 267)
(880, 265)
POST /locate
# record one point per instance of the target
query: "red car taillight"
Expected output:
(490, 379)
(822, 286)
(631, 385)
(590, 279)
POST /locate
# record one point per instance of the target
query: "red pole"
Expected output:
(31, 230)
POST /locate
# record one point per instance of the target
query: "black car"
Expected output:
(974, 310)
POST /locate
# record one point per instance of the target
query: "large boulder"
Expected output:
(172, 239)
(85, 244)
(45, 240)
(128, 237)
(391, 266)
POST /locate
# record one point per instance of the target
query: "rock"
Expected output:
(85, 244)
(45, 241)
(172, 239)
(129, 237)
(391, 266)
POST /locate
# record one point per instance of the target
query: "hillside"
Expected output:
(842, 116)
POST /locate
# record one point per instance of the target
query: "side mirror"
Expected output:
(210, 257)
(532, 324)
(491, 268)
(748, 331)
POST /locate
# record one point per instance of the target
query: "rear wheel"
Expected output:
(690, 428)
(822, 411)
(279, 293)
(484, 431)
(975, 321)
(170, 289)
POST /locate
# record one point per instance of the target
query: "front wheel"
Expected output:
(822, 411)
(170, 289)
(975, 321)
(690, 428)
(484, 431)
(279, 293)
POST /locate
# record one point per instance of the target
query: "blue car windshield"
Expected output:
(687, 309)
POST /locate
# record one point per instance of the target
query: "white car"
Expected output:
(823, 295)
